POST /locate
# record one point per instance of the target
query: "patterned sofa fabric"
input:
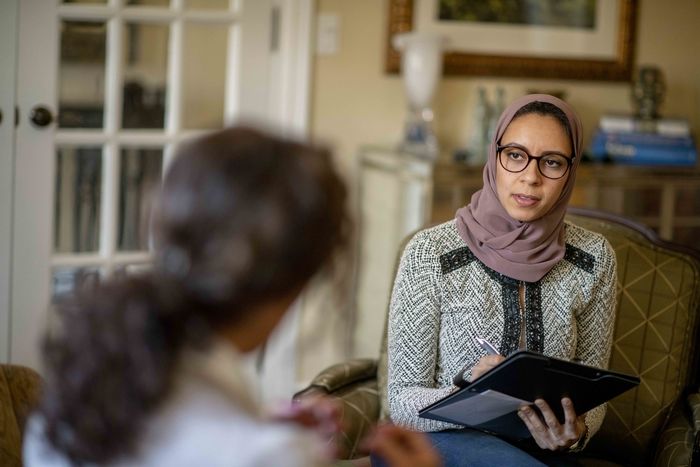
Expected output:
(655, 337)
(681, 434)
(19, 392)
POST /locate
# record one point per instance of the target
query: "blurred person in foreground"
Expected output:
(147, 370)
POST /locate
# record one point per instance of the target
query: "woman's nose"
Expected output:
(531, 174)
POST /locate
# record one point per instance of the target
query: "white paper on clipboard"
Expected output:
(480, 408)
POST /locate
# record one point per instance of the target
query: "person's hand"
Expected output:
(546, 429)
(318, 413)
(399, 447)
(485, 364)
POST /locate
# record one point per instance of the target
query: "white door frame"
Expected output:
(289, 98)
(290, 89)
(31, 228)
(8, 56)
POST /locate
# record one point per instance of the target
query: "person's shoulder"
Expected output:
(592, 242)
(589, 250)
(438, 239)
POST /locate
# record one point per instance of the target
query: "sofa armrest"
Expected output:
(354, 385)
(337, 376)
(679, 443)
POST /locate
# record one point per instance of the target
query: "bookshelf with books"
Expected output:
(633, 141)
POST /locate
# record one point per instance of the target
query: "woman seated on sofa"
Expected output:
(508, 269)
(146, 370)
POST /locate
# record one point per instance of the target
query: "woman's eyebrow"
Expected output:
(520, 146)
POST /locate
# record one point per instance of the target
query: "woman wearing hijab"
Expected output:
(511, 270)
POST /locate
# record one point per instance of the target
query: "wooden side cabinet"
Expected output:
(665, 199)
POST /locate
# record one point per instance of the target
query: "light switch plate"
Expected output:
(328, 34)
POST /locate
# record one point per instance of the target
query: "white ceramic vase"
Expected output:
(421, 67)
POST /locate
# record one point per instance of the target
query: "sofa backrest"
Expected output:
(656, 333)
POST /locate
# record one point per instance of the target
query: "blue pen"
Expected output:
(487, 346)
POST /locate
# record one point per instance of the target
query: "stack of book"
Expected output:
(628, 140)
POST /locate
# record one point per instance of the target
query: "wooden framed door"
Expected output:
(107, 89)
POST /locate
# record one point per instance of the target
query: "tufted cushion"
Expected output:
(19, 392)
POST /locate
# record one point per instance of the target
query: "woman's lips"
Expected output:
(525, 200)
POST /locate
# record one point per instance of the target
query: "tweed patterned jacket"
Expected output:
(444, 297)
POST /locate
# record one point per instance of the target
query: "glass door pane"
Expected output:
(204, 75)
(148, 2)
(81, 76)
(66, 280)
(207, 4)
(145, 63)
(140, 176)
(77, 203)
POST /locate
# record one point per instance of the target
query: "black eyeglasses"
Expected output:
(516, 159)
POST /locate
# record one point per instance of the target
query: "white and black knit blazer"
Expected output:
(444, 297)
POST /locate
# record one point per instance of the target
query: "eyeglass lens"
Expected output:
(515, 159)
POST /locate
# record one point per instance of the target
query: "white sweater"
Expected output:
(209, 419)
(444, 297)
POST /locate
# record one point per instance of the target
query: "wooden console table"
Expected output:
(664, 198)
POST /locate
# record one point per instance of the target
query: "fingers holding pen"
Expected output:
(485, 364)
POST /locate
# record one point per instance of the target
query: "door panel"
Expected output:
(128, 88)
(74, 211)
(37, 66)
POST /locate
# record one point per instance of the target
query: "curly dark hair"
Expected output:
(546, 109)
(243, 217)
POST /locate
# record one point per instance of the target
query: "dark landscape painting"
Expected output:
(553, 13)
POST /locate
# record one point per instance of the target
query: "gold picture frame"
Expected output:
(401, 19)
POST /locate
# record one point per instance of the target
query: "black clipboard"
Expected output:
(525, 376)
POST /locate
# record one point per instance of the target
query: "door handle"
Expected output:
(41, 116)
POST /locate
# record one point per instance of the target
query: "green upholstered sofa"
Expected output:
(656, 337)
(19, 392)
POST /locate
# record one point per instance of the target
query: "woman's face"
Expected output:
(529, 195)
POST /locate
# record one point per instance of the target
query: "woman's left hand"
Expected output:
(317, 413)
(546, 429)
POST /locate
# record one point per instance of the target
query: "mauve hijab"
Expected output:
(524, 251)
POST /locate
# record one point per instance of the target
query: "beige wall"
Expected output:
(355, 102)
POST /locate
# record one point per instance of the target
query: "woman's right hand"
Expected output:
(485, 364)
(400, 447)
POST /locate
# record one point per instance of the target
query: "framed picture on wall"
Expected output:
(572, 39)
